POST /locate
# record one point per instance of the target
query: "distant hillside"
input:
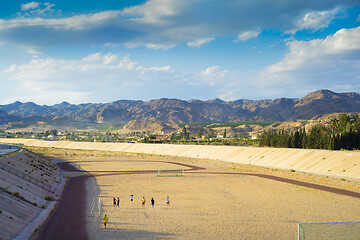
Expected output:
(151, 126)
(6, 118)
(315, 104)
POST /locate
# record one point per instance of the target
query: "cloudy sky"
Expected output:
(101, 51)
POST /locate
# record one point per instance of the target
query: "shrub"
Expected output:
(16, 194)
(48, 198)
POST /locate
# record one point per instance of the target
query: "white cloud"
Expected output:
(316, 20)
(150, 45)
(156, 69)
(126, 63)
(33, 51)
(46, 10)
(200, 42)
(162, 24)
(244, 36)
(344, 44)
(159, 46)
(38, 9)
(95, 57)
(331, 63)
(214, 75)
(110, 58)
(214, 72)
(30, 5)
(94, 76)
(316, 64)
(78, 22)
(156, 12)
(91, 79)
(99, 57)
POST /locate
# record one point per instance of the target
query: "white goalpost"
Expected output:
(170, 172)
(93, 205)
(329, 230)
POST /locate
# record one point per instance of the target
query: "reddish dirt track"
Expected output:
(294, 182)
(69, 219)
(311, 185)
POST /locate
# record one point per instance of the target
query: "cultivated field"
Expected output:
(212, 203)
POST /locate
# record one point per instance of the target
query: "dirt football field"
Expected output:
(207, 202)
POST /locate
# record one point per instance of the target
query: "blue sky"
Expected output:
(101, 51)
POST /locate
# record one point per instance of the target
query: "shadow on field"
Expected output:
(135, 234)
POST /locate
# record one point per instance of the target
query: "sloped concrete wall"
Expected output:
(344, 164)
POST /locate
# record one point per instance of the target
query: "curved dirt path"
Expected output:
(69, 219)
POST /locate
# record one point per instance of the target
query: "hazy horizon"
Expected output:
(162, 98)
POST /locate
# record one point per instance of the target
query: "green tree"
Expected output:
(297, 142)
(334, 125)
(53, 132)
(211, 133)
(304, 138)
(184, 133)
(343, 121)
(172, 137)
(199, 133)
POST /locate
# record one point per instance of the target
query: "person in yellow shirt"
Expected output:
(143, 201)
(105, 218)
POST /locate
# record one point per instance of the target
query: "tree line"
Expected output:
(339, 133)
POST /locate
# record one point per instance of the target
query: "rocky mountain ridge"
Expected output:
(312, 105)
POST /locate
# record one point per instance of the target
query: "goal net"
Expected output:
(329, 230)
(95, 207)
(173, 172)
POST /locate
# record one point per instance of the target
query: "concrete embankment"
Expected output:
(6, 149)
(342, 164)
(27, 183)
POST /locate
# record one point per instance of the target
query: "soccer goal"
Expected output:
(95, 207)
(170, 172)
(329, 230)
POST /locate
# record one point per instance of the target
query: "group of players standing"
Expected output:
(116, 202)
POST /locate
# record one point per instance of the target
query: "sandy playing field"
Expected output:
(204, 204)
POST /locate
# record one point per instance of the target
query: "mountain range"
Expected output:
(313, 105)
